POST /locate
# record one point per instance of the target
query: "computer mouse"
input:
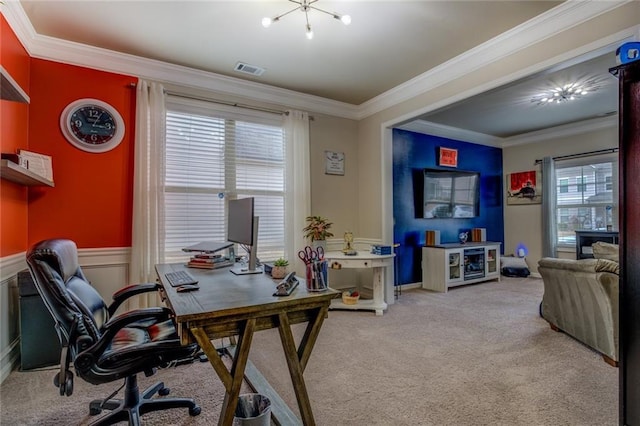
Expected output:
(187, 287)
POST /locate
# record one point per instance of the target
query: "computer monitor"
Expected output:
(242, 228)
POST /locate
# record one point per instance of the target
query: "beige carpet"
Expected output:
(477, 355)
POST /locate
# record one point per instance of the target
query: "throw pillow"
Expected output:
(602, 250)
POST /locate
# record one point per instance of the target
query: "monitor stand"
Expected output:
(252, 264)
(244, 270)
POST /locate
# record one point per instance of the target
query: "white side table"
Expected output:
(338, 260)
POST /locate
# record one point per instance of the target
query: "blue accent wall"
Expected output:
(413, 152)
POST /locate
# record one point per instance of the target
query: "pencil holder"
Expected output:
(317, 276)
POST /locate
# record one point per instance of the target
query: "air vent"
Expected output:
(249, 69)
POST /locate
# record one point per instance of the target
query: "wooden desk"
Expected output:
(238, 305)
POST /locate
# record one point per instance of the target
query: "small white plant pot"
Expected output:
(278, 272)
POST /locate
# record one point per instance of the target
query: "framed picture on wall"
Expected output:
(448, 157)
(524, 188)
(334, 163)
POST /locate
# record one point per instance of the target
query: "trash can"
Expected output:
(253, 410)
(39, 343)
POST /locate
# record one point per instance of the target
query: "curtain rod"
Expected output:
(233, 104)
(583, 154)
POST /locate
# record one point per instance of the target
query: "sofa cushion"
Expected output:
(607, 265)
(602, 250)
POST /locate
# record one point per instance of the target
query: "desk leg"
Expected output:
(297, 360)
(232, 379)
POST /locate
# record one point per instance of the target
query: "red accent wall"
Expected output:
(91, 202)
(14, 122)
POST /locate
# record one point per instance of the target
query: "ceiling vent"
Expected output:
(249, 69)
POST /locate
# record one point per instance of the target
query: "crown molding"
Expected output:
(577, 128)
(565, 130)
(548, 24)
(440, 130)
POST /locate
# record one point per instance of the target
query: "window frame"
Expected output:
(183, 105)
(581, 185)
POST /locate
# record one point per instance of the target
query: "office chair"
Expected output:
(102, 346)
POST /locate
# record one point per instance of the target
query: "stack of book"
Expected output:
(380, 249)
(479, 234)
(206, 260)
(432, 238)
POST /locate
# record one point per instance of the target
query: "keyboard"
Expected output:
(178, 278)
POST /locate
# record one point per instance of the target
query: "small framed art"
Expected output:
(334, 163)
(448, 157)
(524, 188)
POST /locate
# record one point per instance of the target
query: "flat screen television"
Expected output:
(451, 194)
(242, 228)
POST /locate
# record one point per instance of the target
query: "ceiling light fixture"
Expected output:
(305, 6)
(565, 93)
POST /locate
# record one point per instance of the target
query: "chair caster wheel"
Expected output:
(94, 411)
(164, 391)
(65, 388)
(195, 410)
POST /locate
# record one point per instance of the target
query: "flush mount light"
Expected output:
(565, 93)
(305, 6)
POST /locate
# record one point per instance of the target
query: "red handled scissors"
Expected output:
(309, 255)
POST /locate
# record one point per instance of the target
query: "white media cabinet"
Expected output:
(450, 265)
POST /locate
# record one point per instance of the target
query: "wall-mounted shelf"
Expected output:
(15, 173)
(10, 90)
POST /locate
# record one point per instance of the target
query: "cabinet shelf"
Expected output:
(10, 90)
(15, 173)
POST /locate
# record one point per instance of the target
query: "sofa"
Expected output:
(581, 299)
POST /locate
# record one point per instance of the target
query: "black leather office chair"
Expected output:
(104, 347)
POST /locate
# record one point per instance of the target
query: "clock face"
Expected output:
(92, 125)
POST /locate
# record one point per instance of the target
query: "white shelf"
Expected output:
(10, 90)
(18, 174)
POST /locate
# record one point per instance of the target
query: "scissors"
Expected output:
(309, 255)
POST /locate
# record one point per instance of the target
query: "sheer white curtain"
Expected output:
(148, 190)
(298, 181)
(549, 221)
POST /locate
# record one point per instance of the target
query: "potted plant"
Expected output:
(279, 269)
(317, 230)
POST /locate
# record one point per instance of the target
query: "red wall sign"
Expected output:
(448, 157)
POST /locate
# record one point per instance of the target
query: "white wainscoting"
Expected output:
(107, 269)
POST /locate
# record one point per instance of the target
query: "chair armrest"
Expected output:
(120, 321)
(124, 293)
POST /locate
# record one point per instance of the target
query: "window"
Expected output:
(586, 197)
(214, 153)
(563, 186)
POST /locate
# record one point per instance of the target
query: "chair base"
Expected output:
(135, 404)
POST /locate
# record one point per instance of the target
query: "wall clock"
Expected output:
(92, 125)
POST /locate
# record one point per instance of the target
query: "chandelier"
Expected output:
(306, 6)
(566, 93)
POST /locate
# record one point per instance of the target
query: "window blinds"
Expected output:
(214, 153)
